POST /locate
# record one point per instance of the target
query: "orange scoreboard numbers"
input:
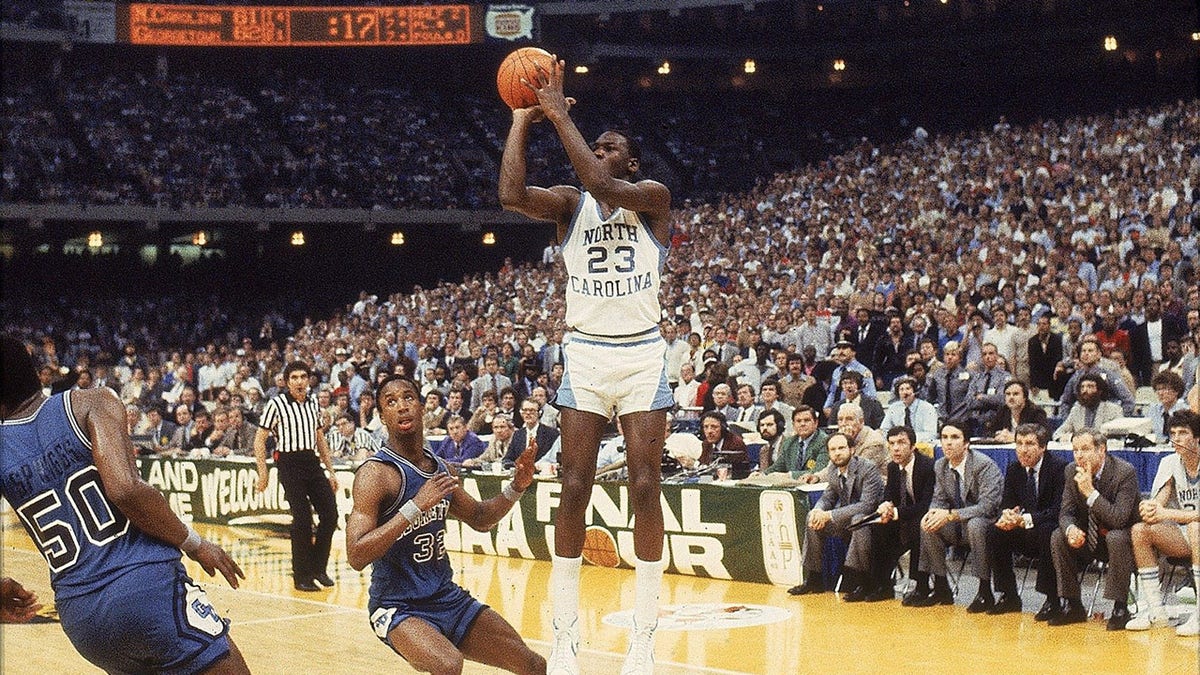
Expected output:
(199, 25)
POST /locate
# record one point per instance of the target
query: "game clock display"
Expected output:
(246, 26)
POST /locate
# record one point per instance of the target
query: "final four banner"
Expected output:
(719, 532)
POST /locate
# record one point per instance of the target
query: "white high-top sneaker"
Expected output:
(639, 660)
(1147, 618)
(564, 659)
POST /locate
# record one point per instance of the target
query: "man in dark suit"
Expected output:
(1099, 506)
(1032, 501)
(531, 426)
(1148, 340)
(1045, 352)
(853, 491)
(719, 443)
(866, 334)
(966, 501)
(906, 498)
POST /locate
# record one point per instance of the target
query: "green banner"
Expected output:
(715, 531)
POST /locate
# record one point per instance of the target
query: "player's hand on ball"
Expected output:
(523, 476)
(435, 490)
(213, 558)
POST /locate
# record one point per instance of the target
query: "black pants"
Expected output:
(891, 540)
(307, 489)
(1033, 543)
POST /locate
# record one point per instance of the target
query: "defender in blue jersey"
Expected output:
(111, 541)
(615, 233)
(402, 496)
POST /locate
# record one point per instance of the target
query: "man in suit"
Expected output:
(1033, 487)
(157, 431)
(747, 411)
(906, 498)
(854, 491)
(531, 428)
(1045, 353)
(890, 351)
(948, 385)
(966, 501)
(804, 453)
(491, 380)
(719, 442)
(985, 391)
(865, 335)
(722, 397)
(1099, 506)
(1148, 340)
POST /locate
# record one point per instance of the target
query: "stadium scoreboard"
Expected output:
(249, 26)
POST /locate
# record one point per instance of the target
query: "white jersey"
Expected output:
(614, 269)
(1187, 492)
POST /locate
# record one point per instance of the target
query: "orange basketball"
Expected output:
(522, 63)
(599, 547)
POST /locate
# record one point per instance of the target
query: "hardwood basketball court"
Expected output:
(283, 631)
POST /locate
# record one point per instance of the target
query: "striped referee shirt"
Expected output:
(293, 422)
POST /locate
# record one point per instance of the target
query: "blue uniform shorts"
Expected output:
(151, 618)
(452, 613)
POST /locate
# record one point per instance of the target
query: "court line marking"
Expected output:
(688, 667)
(275, 619)
(342, 609)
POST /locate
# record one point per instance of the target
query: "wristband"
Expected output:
(511, 494)
(411, 511)
(191, 542)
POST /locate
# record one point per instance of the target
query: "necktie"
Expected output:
(949, 398)
(1093, 532)
(745, 416)
(908, 416)
(1166, 430)
(905, 492)
(1030, 492)
(987, 382)
(844, 495)
(495, 385)
(958, 498)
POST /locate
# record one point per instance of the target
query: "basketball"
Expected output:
(522, 63)
(599, 547)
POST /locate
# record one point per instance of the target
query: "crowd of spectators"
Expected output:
(95, 132)
(970, 241)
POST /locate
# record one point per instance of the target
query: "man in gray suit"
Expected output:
(966, 501)
(1099, 506)
(491, 379)
(854, 490)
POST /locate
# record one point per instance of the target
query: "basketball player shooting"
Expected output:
(615, 235)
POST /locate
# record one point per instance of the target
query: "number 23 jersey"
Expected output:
(48, 475)
(614, 269)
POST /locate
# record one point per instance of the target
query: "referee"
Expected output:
(295, 419)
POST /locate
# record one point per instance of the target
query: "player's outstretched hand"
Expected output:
(17, 605)
(213, 558)
(435, 490)
(523, 476)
